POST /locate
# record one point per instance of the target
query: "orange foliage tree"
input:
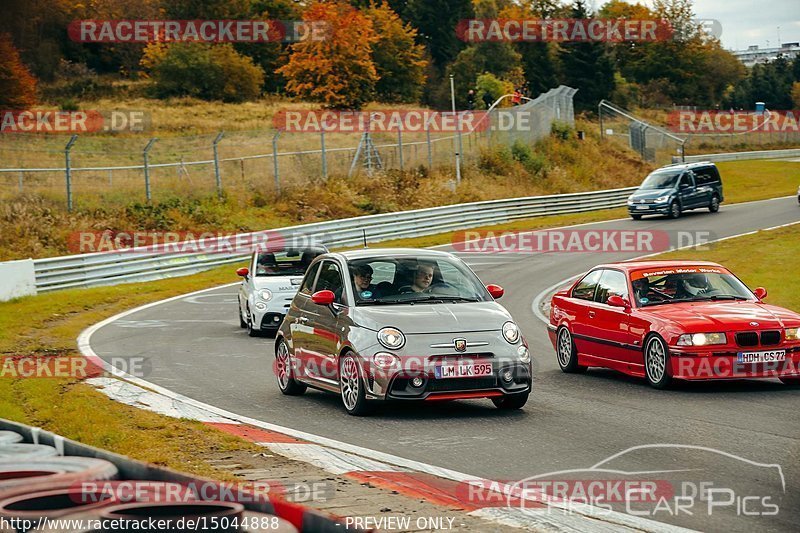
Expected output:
(336, 70)
(17, 84)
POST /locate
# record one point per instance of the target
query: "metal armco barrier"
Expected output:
(741, 156)
(110, 268)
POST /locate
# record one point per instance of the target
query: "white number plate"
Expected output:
(469, 370)
(642, 207)
(774, 356)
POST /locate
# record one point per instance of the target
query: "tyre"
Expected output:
(656, 363)
(251, 331)
(511, 401)
(566, 353)
(351, 386)
(22, 452)
(285, 373)
(791, 380)
(674, 209)
(48, 471)
(636, 217)
(714, 205)
(242, 321)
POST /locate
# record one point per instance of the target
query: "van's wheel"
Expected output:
(566, 353)
(674, 209)
(714, 205)
(656, 363)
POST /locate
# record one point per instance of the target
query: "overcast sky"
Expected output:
(746, 22)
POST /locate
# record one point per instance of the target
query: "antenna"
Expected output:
(365, 237)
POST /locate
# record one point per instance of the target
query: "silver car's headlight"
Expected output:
(510, 332)
(265, 295)
(391, 338)
(523, 354)
(702, 339)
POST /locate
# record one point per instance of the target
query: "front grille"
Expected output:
(747, 338)
(770, 338)
(443, 385)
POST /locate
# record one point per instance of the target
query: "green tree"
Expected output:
(436, 20)
(399, 61)
(201, 70)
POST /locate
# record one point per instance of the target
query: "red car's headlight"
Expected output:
(702, 339)
(792, 334)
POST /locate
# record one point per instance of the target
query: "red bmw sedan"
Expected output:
(666, 320)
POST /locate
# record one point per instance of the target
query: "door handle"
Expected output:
(302, 320)
(591, 314)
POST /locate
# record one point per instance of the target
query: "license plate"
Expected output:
(467, 370)
(774, 356)
(642, 207)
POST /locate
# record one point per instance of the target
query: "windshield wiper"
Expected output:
(674, 300)
(443, 298)
(378, 302)
(722, 297)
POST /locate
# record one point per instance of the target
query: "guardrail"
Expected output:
(739, 156)
(110, 268)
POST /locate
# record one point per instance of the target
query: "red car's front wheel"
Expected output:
(656, 362)
(566, 352)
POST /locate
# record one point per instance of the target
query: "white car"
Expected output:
(269, 285)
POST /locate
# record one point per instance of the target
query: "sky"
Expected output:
(748, 22)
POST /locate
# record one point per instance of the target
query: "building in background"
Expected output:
(754, 54)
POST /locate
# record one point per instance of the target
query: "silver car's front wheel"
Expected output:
(352, 386)
(656, 356)
(283, 371)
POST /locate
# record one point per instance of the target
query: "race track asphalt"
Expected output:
(195, 347)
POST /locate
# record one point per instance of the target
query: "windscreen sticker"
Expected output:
(366, 294)
(639, 274)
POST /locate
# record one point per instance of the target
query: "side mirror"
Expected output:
(760, 293)
(618, 301)
(243, 272)
(323, 297)
(496, 291)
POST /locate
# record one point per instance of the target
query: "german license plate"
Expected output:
(465, 370)
(642, 207)
(773, 356)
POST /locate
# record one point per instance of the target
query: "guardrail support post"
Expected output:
(600, 115)
(20, 181)
(68, 170)
(324, 155)
(275, 161)
(146, 156)
(216, 164)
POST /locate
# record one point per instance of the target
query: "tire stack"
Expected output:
(37, 483)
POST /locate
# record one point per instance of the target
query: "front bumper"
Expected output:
(693, 365)
(400, 386)
(649, 209)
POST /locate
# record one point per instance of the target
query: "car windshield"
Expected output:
(660, 180)
(286, 262)
(686, 284)
(390, 280)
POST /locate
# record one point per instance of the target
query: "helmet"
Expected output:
(695, 283)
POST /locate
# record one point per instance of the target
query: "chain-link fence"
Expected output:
(652, 143)
(129, 166)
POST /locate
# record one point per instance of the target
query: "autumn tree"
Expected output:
(399, 61)
(338, 70)
(17, 84)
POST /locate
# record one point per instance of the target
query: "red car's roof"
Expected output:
(637, 265)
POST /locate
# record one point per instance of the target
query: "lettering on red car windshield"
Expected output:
(684, 270)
